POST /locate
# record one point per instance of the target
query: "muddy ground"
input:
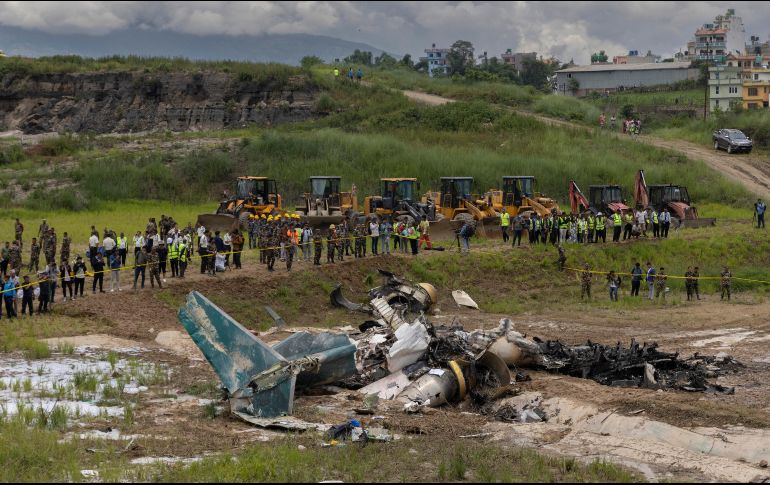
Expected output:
(650, 431)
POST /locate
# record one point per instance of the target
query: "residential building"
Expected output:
(747, 62)
(517, 59)
(755, 47)
(436, 58)
(725, 87)
(633, 57)
(715, 41)
(604, 78)
(756, 88)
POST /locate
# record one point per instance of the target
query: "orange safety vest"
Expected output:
(292, 235)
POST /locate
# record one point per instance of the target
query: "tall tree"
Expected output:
(460, 57)
(407, 61)
(359, 57)
(536, 73)
(385, 60)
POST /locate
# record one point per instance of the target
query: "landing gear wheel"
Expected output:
(716, 145)
(729, 149)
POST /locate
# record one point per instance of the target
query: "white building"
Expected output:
(715, 41)
(725, 87)
(436, 58)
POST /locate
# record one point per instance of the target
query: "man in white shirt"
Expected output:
(201, 233)
(228, 241)
(138, 242)
(665, 222)
(109, 245)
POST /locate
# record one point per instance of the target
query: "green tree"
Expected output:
(385, 60)
(460, 57)
(407, 61)
(536, 73)
(309, 61)
(421, 65)
(599, 57)
(359, 57)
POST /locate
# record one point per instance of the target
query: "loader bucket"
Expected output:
(700, 222)
(323, 221)
(444, 230)
(218, 222)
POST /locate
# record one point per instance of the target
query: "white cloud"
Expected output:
(564, 29)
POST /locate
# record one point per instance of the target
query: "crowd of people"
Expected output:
(585, 227)
(631, 126)
(656, 280)
(165, 247)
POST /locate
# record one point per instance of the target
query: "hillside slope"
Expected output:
(107, 102)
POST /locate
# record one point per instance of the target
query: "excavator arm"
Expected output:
(576, 197)
(641, 194)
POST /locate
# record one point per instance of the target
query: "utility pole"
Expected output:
(706, 92)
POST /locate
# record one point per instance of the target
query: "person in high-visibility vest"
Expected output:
(628, 224)
(563, 226)
(505, 222)
(173, 257)
(617, 226)
(601, 230)
(336, 73)
(655, 224)
(183, 255)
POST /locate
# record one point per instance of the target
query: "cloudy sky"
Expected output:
(564, 29)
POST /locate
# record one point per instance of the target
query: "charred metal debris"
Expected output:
(398, 354)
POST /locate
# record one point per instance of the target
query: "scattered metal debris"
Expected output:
(399, 355)
(402, 295)
(463, 299)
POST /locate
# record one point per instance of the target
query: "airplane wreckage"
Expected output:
(397, 354)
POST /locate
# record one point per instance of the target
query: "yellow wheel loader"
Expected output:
(518, 196)
(325, 204)
(253, 196)
(456, 204)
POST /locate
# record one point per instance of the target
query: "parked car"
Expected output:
(732, 141)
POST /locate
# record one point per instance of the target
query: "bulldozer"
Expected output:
(456, 204)
(325, 204)
(398, 199)
(518, 196)
(253, 195)
(674, 197)
(601, 198)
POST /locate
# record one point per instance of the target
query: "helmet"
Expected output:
(332, 226)
(269, 218)
(431, 290)
(262, 216)
(599, 214)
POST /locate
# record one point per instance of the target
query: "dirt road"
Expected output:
(752, 171)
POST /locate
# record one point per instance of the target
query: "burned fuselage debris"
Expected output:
(398, 354)
(401, 295)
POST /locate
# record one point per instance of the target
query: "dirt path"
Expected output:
(752, 171)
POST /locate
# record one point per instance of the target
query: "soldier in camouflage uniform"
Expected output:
(49, 247)
(562, 257)
(272, 248)
(34, 258)
(152, 227)
(726, 282)
(331, 241)
(285, 242)
(42, 230)
(153, 265)
(65, 248)
(340, 241)
(317, 247)
(586, 278)
(359, 236)
(263, 232)
(14, 256)
(19, 230)
(343, 232)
